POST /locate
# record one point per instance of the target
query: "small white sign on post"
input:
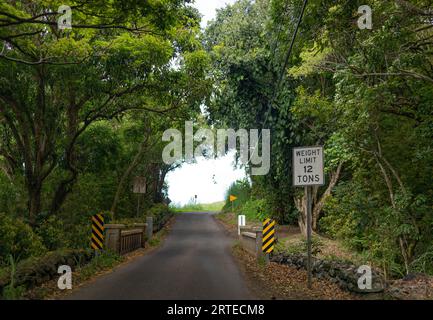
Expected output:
(139, 185)
(241, 223)
(308, 167)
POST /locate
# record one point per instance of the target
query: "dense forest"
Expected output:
(366, 95)
(83, 111)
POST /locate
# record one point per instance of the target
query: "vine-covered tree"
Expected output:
(363, 94)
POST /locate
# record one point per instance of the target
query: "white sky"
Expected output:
(208, 8)
(208, 179)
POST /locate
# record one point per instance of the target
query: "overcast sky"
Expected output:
(208, 8)
(208, 179)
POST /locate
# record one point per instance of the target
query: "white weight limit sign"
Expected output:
(308, 167)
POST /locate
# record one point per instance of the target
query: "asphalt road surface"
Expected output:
(195, 262)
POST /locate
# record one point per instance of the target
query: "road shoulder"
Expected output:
(84, 277)
(276, 281)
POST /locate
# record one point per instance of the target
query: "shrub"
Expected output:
(37, 270)
(300, 247)
(424, 263)
(357, 216)
(160, 213)
(52, 232)
(17, 239)
(12, 292)
(256, 210)
(12, 196)
(242, 190)
(100, 262)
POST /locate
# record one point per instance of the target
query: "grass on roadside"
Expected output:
(231, 218)
(101, 263)
(323, 248)
(207, 207)
(295, 243)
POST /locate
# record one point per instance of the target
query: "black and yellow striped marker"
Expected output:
(268, 236)
(97, 232)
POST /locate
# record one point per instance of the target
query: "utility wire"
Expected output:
(286, 61)
(282, 72)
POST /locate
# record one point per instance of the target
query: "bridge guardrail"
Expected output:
(123, 239)
(131, 240)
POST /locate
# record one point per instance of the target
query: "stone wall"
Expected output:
(342, 273)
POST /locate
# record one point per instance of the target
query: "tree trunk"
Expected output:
(120, 187)
(65, 186)
(318, 205)
(301, 205)
(34, 203)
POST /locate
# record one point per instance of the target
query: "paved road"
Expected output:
(195, 262)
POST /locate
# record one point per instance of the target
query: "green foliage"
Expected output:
(34, 271)
(155, 241)
(77, 126)
(102, 261)
(200, 207)
(100, 149)
(366, 95)
(52, 233)
(357, 215)
(17, 239)
(213, 207)
(191, 206)
(241, 189)
(65, 131)
(424, 262)
(261, 262)
(300, 247)
(12, 195)
(11, 292)
(161, 213)
(316, 245)
(256, 210)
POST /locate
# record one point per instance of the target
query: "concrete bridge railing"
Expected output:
(123, 239)
(251, 240)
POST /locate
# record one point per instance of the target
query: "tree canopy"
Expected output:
(363, 94)
(83, 111)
